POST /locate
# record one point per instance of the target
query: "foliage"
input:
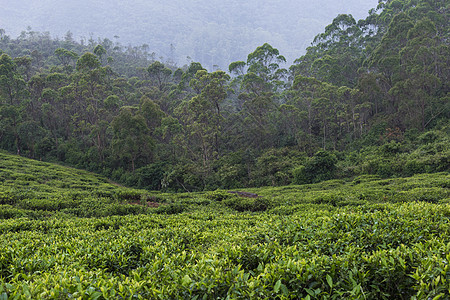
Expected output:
(318, 168)
(371, 237)
(365, 107)
(37, 190)
(372, 92)
(218, 195)
(248, 204)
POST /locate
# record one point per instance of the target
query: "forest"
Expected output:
(369, 97)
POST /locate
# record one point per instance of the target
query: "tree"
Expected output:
(131, 138)
(12, 94)
(87, 62)
(425, 60)
(258, 91)
(24, 66)
(10, 118)
(320, 167)
(159, 75)
(334, 55)
(12, 85)
(264, 73)
(100, 51)
(204, 120)
(66, 57)
(385, 59)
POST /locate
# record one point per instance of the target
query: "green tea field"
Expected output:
(70, 234)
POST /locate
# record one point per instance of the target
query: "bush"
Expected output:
(428, 137)
(10, 212)
(391, 148)
(170, 209)
(150, 176)
(320, 167)
(300, 175)
(218, 195)
(247, 204)
(8, 197)
(274, 166)
(129, 195)
(330, 199)
(383, 167)
(414, 167)
(365, 178)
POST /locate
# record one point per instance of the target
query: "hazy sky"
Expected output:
(211, 31)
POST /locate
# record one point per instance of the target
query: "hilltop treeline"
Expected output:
(213, 32)
(368, 97)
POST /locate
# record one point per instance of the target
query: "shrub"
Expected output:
(247, 204)
(300, 175)
(8, 197)
(128, 195)
(365, 178)
(330, 199)
(170, 209)
(274, 166)
(150, 176)
(414, 167)
(10, 212)
(390, 148)
(320, 167)
(218, 195)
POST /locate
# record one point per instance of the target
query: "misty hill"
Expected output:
(212, 32)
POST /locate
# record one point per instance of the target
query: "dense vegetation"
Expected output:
(39, 190)
(372, 96)
(213, 32)
(353, 141)
(368, 238)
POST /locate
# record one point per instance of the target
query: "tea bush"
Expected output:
(85, 238)
(218, 195)
(380, 251)
(247, 204)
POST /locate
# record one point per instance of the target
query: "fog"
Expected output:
(214, 32)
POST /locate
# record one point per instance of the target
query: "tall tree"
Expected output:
(131, 139)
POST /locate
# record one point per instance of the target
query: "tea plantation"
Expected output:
(70, 234)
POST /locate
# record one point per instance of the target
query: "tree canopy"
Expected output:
(378, 82)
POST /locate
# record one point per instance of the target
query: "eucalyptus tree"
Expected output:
(131, 141)
(13, 95)
(12, 85)
(258, 97)
(66, 57)
(159, 75)
(335, 55)
(204, 121)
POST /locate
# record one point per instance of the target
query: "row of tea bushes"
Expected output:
(40, 190)
(372, 251)
(69, 234)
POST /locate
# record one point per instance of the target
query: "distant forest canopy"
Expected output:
(368, 97)
(212, 32)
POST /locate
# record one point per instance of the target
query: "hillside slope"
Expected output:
(368, 238)
(37, 189)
